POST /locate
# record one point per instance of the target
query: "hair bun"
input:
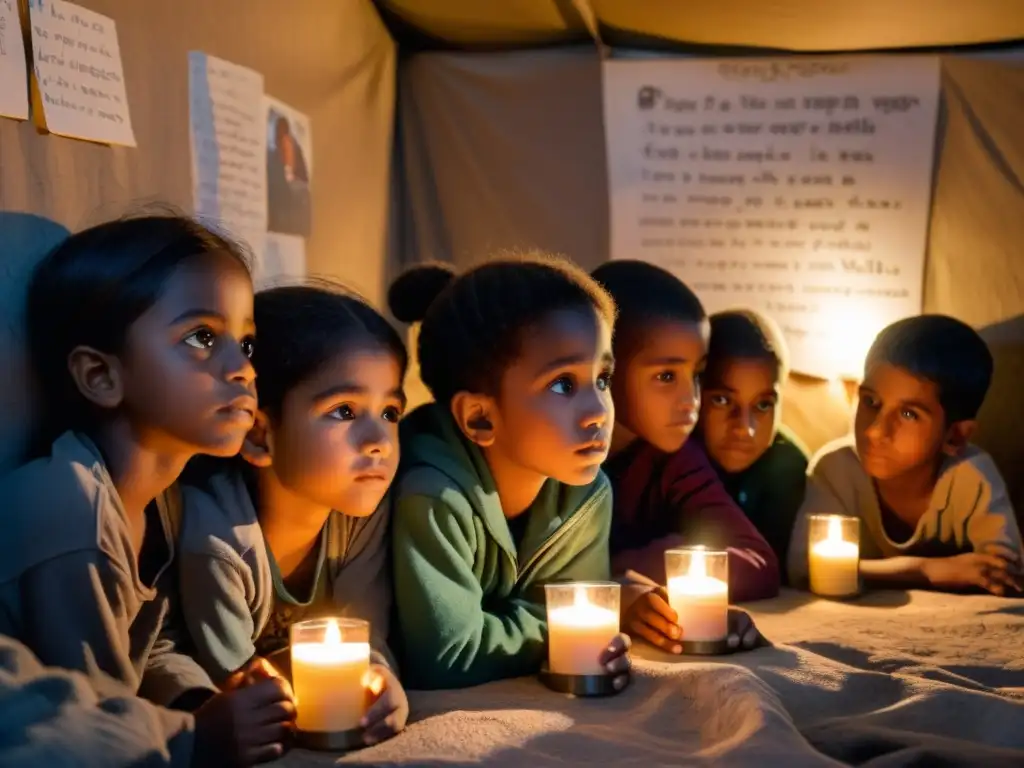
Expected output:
(412, 292)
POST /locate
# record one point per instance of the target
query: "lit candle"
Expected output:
(329, 673)
(834, 555)
(583, 618)
(700, 598)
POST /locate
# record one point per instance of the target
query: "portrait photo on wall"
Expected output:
(289, 169)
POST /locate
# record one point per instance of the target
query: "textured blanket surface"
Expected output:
(894, 679)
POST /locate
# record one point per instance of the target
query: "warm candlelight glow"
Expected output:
(700, 599)
(833, 559)
(330, 668)
(580, 630)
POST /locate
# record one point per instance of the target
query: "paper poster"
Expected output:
(78, 80)
(283, 262)
(229, 146)
(13, 75)
(798, 187)
(289, 169)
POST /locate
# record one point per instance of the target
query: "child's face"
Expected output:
(738, 413)
(657, 389)
(900, 424)
(185, 371)
(554, 413)
(336, 443)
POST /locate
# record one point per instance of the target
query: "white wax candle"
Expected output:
(833, 564)
(701, 602)
(578, 634)
(329, 682)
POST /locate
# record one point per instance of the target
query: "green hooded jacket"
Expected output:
(470, 607)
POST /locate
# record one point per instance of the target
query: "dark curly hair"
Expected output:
(472, 324)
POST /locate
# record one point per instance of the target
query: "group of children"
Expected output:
(215, 467)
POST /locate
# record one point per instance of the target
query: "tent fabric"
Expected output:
(334, 61)
(507, 151)
(794, 25)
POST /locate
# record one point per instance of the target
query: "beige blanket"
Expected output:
(916, 679)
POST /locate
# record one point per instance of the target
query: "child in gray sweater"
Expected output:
(933, 508)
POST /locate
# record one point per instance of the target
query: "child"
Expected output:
(666, 492)
(933, 508)
(262, 545)
(140, 331)
(500, 488)
(761, 465)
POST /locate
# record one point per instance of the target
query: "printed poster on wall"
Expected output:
(797, 187)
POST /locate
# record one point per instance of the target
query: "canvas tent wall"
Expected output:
(504, 148)
(332, 59)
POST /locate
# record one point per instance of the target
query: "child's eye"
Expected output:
(665, 377)
(343, 413)
(764, 406)
(604, 381)
(248, 347)
(908, 414)
(563, 385)
(720, 400)
(202, 338)
(392, 414)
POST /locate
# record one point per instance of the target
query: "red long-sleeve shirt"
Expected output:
(666, 500)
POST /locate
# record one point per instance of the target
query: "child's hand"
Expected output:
(389, 708)
(245, 726)
(994, 571)
(257, 669)
(743, 635)
(615, 659)
(651, 617)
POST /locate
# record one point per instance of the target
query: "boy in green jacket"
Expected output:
(499, 490)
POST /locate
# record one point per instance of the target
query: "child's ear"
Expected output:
(475, 416)
(958, 436)
(97, 376)
(258, 447)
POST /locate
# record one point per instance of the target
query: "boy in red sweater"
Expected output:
(666, 492)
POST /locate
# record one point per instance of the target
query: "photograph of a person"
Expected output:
(289, 162)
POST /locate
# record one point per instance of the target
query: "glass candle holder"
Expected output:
(330, 661)
(698, 591)
(833, 555)
(583, 618)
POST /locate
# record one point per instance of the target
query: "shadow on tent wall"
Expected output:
(24, 239)
(1001, 421)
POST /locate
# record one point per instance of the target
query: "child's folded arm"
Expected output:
(217, 616)
(54, 716)
(75, 615)
(448, 638)
(706, 513)
(172, 678)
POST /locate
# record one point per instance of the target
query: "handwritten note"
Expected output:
(13, 76)
(78, 77)
(798, 187)
(229, 147)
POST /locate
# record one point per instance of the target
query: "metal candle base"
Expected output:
(330, 741)
(706, 647)
(578, 685)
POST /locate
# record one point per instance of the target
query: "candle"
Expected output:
(583, 618)
(834, 555)
(330, 666)
(700, 598)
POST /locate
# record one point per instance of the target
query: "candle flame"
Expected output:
(835, 530)
(698, 564)
(580, 597)
(332, 635)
